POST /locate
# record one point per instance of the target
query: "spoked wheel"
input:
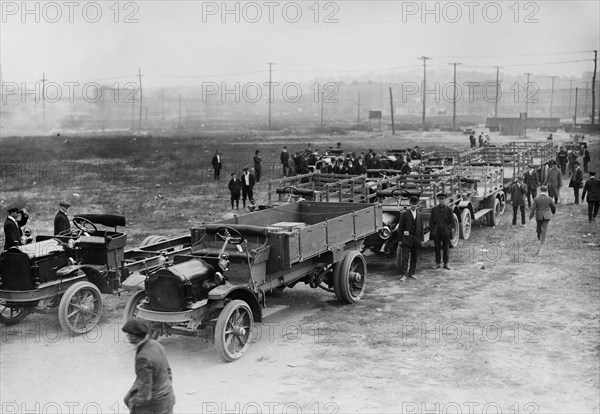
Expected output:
(455, 233)
(80, 308)
(350, 277)
(502, 198)
(132, 304)
(494, 215)
(10, 314)
(232, 332)
(465, 224)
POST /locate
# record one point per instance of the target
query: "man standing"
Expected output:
(562, 157)
(152, 391)
(480, 140)
(576, 181)
(586, 157)
(542, 208)
(472, 140)
(592, 189)
(61, 220)
(257, 165)
(284, 158)
(217, 165)
(532, 181)
(247, 186)
(410, 236)
(572, 158)
(441, 225)
(235, 188)
(554, 182)
(15, 219)
(517, 194)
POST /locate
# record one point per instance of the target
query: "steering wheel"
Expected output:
(291, 190)
(229, 235)
(403, 193)
(84, 225)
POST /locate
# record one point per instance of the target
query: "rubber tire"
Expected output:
(399, 257)
(502, 197)
(456, 235)
(222, 321)
(341, 282)
(63, 307)
(131, 305)
(11, 321)
(466, 223)
(493, 216)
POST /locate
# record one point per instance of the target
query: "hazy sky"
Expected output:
(181, 42)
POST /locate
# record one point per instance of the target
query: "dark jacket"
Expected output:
(12, 234)
(410, 231)
(518, 193)
(531, 179)
(592, 189)
(61, 222)
(235, 186)
(217, 163)
(441, 221)
(257, 163)
(250, 180)
(542, 207)
(284, 157)
(576, 179)
(152, 391)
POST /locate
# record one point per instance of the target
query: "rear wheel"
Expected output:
(494, 215)
(465, 224)
(10, 314)
(80, 308)
(232, 332)
(455, 233)
(350, 277)
(399, 257)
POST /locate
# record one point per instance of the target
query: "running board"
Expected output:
(481, 213)
(271, 310)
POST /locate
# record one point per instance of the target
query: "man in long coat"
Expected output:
(517, 194)
(410, 236)
(532, 181)
(592, 189)
(217, 164)
(554, 182)
(576, 181)
(441, 225)
(542, 208)
(13, 234)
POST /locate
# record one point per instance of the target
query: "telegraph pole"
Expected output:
(322, 93)
(552, 96)
(497, 92)
(526, 103)
(454, 100)
(570, 93)
(586, 98)
(392, 112)
(44, 95)
(140, 82)
(270, 73)
(575, 115)
(594, 89)
(424, 58)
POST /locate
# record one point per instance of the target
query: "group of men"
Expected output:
(482, 143)
(16, 219)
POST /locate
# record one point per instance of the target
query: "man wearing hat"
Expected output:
(532, 182)
(15, 219)
(61, 220)
(562, 156)
(235, 188)
(217, 164)
(152, 391)
(554, 181)
(517, 194)
(410, 236)
(441, 225)
(247, 185)
(542, 208)
(592, 189)
(576, 181)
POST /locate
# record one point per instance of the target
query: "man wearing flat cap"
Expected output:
(576, 181)
(410, 236)
(61, 220)
(247, 185)
(441, 225)
(15, 219)
(152, 391)
(592, 189)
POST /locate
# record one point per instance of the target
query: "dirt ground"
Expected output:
(514, 327)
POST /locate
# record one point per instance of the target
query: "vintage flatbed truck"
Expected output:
(222, 283)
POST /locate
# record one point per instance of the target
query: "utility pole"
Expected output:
(594, 89)
(526, 103)
(570, 93)
(454, 100)
(575, 115)
(141, 99)
(497, 92)
(44, 95)
(424, 58)
(392, 112)
(322, 93)
(586, 97)
(552, 96)
(358, 115)
(270, 74)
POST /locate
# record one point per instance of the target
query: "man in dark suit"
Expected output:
(576, 181)
(517, 195)
(247, 186)
(217, 164)
(235, 188)
(284, 158)
(61, 220)
(13, 234)
(257, 165)
(532, 181)
(410, 236)
(543, 208)
(441, 225)
(592, 189)
(152, 391)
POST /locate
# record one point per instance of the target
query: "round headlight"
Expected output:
(223, 264)
(385, 233)
(71, 244)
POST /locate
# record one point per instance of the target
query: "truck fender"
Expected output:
(229, 291)
(465, 204)
(93, 275)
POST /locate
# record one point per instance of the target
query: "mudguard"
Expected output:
(94, 275)
(233, 292)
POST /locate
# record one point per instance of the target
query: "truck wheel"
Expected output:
(455, 232)
(493, 216)
(132, 304)
(465, 224)
(350, 277)
(502, 197)
(80, 308)
(232, 332)
(399, 257)
(10, 314)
